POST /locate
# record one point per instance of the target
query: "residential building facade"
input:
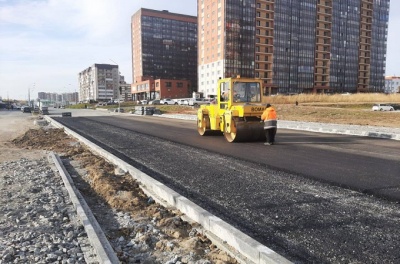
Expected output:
(63, 98)
(160, 88)
(99, 82)
(305, 46)
(392, 84)
(164, 50)
(125, 92)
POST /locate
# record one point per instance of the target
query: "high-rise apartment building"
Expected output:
(308, 46)
(164, 46)
(100, 82)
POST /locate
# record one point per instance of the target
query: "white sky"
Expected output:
(44, 44)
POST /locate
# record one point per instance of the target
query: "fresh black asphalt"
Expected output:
(288, 196)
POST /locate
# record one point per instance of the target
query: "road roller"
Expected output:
(235, 112)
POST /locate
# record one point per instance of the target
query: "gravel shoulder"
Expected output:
(37, 223)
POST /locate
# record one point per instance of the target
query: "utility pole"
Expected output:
(118, 90)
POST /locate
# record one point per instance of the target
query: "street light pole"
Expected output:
(29, 95)
(119, 100)
(119, 91)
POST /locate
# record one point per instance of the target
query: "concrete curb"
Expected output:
(354, 130)
(98, 240)
(250, 249)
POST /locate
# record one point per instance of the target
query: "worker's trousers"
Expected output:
(270, 134)
(270, 130)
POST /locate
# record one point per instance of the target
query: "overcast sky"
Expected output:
(44, 44)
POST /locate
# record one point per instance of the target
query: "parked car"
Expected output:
(155, 102)
(144, 102)
(26, 109)
(168, 101)
(183, 102)
(382, 107)
(198, 101)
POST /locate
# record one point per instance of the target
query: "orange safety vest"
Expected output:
(269, 117)
(269, 114)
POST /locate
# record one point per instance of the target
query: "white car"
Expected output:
(183, 102)
(168, 101)
(199, 101)
(382, 107)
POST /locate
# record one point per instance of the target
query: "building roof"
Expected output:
(392, 77)
(167, 15)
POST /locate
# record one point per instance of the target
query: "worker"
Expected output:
(225, 96)
(270, 124)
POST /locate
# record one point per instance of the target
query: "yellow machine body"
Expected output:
(236, 112)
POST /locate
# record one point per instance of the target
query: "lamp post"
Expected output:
(119, 91)
(29, 95)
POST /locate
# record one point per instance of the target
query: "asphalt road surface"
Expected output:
(288, 196)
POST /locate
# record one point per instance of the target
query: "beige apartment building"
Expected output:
(99, 82)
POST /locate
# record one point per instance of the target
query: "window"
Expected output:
(168, 84)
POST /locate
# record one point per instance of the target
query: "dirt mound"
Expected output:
(47, 139)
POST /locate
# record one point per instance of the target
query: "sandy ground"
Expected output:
(12, 125)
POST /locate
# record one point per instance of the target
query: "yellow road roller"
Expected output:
(236, 111)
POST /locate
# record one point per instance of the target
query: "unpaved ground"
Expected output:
(175, 241)
(11, 128)
(338, 114)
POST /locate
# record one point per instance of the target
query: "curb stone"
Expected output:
(97, 238)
